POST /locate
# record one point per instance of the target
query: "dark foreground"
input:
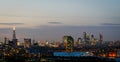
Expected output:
(56, 59)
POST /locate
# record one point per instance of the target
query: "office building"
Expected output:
(101, 38)
(86, 38)
(27, 43)
(68, 42)
(92, 41)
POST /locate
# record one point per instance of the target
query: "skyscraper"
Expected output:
(5, 39)
(101, 38)
(14, 37)
(84, 34)
(69, 43)
(93, 42)
(27, 42)
(79, 41)
(86, 38)
(14, 33)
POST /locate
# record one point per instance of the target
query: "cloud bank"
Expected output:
(11, 23)
(111, 24)
(54, 22)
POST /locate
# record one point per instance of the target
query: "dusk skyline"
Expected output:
(52, 19)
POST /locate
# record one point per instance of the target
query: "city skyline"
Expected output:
(51, 19)
(48, 33)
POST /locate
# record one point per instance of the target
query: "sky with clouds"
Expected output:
(39, 14)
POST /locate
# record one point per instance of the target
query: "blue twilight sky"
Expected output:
(48, 16)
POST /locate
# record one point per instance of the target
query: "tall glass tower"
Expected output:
(14, 33)
(14, 37)
(69, 43)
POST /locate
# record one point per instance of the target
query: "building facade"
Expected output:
(68, 43)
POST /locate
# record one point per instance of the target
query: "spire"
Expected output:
(13, 27)
(14, 33)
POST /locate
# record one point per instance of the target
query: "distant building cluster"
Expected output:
(89, 40)
(68, 41)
